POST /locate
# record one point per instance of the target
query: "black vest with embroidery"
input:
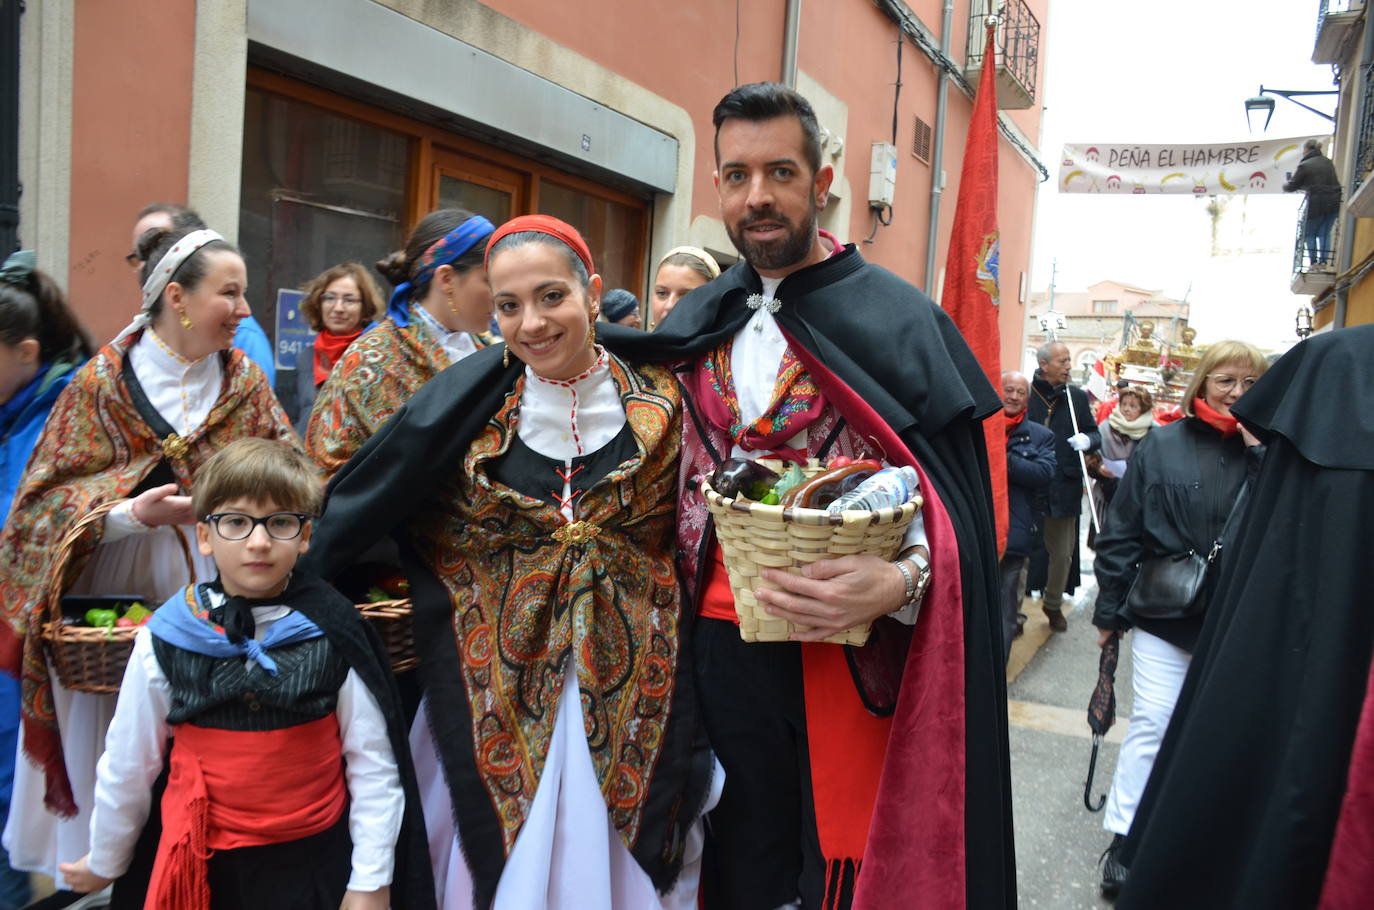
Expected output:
(229, 693)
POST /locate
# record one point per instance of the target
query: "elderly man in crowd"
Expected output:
(1049, 392)
(1030, 470)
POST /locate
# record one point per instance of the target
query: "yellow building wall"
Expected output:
(1359, 308)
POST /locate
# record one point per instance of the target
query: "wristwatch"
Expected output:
(917, 584)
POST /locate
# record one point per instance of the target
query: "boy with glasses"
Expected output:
(263, 679)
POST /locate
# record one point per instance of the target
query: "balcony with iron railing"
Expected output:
(1314, 249)
(1338, 23)
(1018, 50)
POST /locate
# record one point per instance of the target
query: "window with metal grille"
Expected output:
(921, 147)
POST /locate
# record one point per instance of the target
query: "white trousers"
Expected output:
(1157, 671)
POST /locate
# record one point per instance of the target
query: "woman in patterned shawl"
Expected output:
(436, 315)
(547, 608)
(125, 437)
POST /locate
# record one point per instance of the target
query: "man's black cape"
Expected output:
(884, 339)
(1242, 804)
(412, 881)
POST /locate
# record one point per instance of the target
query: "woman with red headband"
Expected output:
(561, 729)
(435, 316)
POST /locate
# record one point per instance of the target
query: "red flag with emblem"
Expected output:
(970, 293)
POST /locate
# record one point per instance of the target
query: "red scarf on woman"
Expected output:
(328, 349)
(1224, 424)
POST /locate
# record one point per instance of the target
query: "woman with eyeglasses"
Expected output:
(1178, 497)
(437, 315)
(125, 439)
(340, 304)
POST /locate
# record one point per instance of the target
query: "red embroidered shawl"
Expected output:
(96, 448)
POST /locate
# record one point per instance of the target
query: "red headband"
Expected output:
(544, 224)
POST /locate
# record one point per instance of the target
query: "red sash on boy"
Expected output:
(231, 788)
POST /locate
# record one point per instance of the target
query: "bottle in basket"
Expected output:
(890, 488)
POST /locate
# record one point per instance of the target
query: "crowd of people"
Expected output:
(587, 727)
(1181, 550)
(584, 700)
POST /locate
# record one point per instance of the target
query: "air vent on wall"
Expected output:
(921, 147)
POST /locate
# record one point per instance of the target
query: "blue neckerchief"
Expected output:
(20, 399)
(176, 623)
(453, 244)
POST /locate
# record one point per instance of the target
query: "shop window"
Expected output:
(317, 189)
(328, 179)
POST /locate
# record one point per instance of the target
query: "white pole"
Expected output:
(1082, 462)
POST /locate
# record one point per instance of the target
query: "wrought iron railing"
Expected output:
(1315, 249)
(1364, 150)
(1018, 38)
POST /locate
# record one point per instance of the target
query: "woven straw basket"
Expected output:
(392, 620)
(754, 536)
(88, 659)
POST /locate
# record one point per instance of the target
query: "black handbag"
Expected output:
(1170, 587)
(1174, 586)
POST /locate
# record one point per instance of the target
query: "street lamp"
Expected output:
(1262, 104)
(1303, 322)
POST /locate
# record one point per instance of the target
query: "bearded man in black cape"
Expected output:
(880, 369)
(1257, 768)
(805, 349)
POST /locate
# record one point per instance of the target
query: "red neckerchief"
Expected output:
(796, 401)
(1224, 424)
(1010, 421)
(328, 349)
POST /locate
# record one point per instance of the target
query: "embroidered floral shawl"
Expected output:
(378, 374)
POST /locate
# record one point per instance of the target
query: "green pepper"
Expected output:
(771, 498)
(101, 618)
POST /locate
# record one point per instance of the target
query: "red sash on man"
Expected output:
(231, 788)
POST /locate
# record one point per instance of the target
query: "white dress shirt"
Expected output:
(181, 391)
(456, 345)
(134, 757)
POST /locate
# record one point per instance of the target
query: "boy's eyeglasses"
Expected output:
(1223, 382)
(238, 526)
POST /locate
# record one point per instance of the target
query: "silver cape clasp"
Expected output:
(758, 301)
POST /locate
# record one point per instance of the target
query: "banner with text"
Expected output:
(1200, 170)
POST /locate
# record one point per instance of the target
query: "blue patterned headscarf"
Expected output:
(442, 252)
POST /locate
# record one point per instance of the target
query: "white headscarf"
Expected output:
(161, 276)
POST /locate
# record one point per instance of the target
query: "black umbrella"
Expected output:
(1102, 712)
